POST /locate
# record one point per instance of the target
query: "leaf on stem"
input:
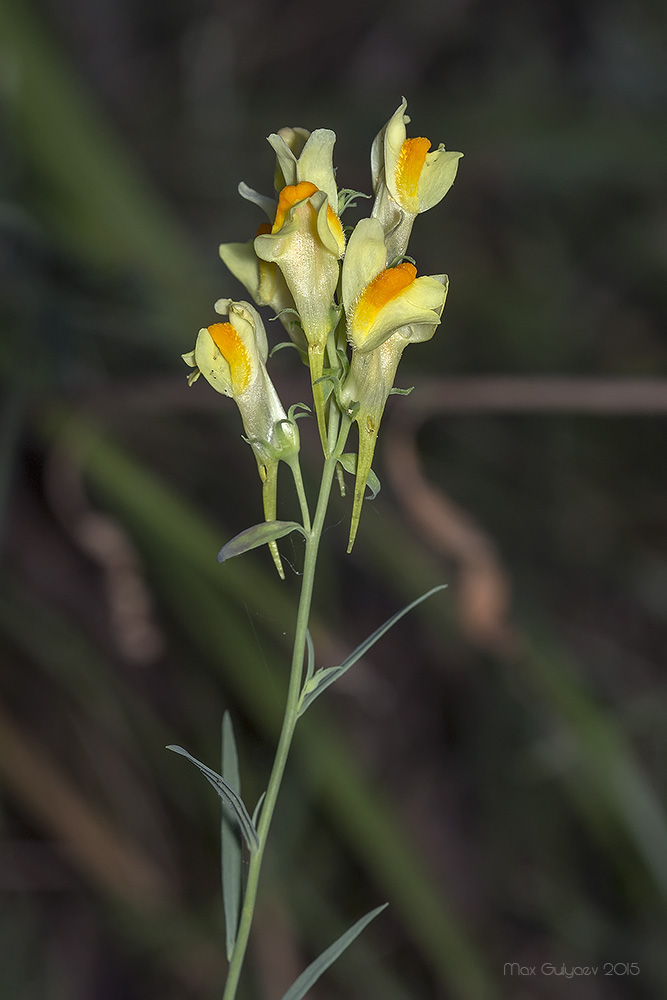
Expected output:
(310, 658)
(259, 534)
(349, 463)
(230, 844)
(258, 809)
(323, 678)
(228, 796)
(328, 957)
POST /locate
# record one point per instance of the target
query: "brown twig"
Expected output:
(483, 588)
(458, 394)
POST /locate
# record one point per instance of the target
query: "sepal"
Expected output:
(347, 198)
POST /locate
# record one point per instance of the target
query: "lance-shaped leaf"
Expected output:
(228, 796)
(259, 534)
(258, 808)
(310, 657)
(230, 844)
(328, 957)
(322, 679)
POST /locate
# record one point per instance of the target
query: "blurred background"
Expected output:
(496, 768)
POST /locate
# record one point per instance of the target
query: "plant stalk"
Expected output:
(313, 537)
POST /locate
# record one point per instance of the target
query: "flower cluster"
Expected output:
(350, 307)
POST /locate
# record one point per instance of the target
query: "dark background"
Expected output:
(496, 768)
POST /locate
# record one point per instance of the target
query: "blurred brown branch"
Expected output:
(458, 394)
(518, 394)
(483, 588)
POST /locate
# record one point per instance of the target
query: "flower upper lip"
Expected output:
(314, 162)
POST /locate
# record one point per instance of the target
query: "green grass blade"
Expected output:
(230, 845)
(328, 957)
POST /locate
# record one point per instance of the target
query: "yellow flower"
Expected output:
(380, 300)
(416, 178)
(407, 178)
(386, 309)
(306, 242)
(232, 358)
(304, 165)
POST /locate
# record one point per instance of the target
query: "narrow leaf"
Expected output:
(310, 659)
(349, 463)
(328, 957)
(321, 680)
(258, 808)
(341, 479)
(259, 534)
(228, 796)
(230, 844)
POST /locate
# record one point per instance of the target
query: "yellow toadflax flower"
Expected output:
(387, 309)
(408, 178)
(306, 242)
(379, 300)
(232, 358)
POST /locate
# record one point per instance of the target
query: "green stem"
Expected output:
(300, 492)
(313, 536)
